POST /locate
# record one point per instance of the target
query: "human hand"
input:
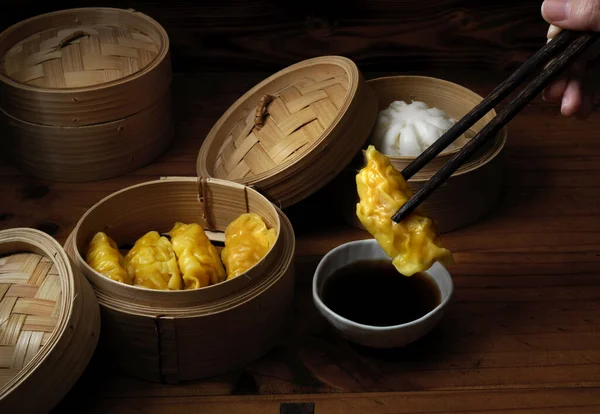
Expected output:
(577, 87)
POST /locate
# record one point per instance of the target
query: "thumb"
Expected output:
(578, 15)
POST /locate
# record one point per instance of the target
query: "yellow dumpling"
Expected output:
(104, 256)
(413, 243)
(198, 259)
(151, 263)
(247, 241)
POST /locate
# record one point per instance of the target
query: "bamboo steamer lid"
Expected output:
(294, 132)
(49, 322)
(82, 66)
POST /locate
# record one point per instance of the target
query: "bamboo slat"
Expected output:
(49, 322)
(292, 133)
(172, 336)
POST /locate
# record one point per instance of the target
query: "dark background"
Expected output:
(379, 35)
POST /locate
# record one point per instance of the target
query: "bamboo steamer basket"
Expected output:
(173, 336)
(471, 192)
(85, 93)
(294, 132)
(49, 322)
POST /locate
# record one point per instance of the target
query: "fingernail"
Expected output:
(555, 10)
(564, 107)
(553, 31)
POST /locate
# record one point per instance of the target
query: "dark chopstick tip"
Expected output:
(400, 215)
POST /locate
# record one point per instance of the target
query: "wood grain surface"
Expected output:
(378, 34)
(521, 336)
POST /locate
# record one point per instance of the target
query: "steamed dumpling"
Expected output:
(198, 259)
(152, 263)
(409, 129)
(413, 244)
(104, 256)
(247, 241)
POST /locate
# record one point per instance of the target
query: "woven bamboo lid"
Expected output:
(75, 55)
(292, 133)
(83, 67)
(49, 321)
(283, 125)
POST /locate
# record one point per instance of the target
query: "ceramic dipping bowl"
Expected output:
(377, 336)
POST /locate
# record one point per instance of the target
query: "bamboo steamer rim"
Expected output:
(28, 240)
(246, 295)
(160, 56)
(187, 292)
(105, 125)
(353, 76)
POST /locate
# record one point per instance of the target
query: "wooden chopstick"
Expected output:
(502, 91)
(579, 41)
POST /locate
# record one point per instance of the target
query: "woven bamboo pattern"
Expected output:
(30, 303)
(79, 56)
(296, 117)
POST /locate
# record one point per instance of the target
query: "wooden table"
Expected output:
(523, 333)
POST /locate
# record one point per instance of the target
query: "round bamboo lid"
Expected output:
(83, 67)
(292, 133)
(49, 321)
(79, 55)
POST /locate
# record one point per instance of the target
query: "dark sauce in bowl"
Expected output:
(372, 292)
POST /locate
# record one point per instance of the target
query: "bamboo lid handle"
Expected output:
(73, 36)
(261, 110)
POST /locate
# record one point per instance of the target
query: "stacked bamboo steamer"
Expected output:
(49, 322)
(85, 93)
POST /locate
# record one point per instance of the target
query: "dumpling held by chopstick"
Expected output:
(413, 244)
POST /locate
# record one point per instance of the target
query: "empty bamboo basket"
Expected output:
(85, 93)
(471, 192)
(172, 336)
(294, 132)
(49, 322)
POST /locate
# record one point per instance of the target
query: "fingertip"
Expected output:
(569, 106)
(572, 98)
(566, 109)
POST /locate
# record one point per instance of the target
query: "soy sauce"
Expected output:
(372, 292)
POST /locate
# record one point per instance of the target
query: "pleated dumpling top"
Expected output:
(199, 260)
(152, 263)
(247, 241)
